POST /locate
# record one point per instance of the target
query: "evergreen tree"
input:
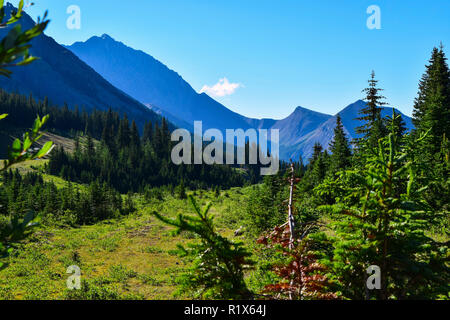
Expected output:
(429, 140)
(181, 191)
(90, 148)
(386, 228)
(317, 151)
(320, 168)
(340, 148)
(217, 192)
(397, 124)
(148, 132)
(373, 128)
(218, 264)
(123, 134)
(108, 129)
(432, 105)
(134, 136)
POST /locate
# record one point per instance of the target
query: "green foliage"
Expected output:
(20, 150)
(373, 127)
(217, 264)
(154, 193)
(15, 46)
(181, 191)
(98, 289)
(340, 148)
(265, 208)
(64, 206)
(386, 227)
(14, 51)
(127, 162)
(15, 230)
(316, 170)
(397, 125)
(429, 143)
(431, 108)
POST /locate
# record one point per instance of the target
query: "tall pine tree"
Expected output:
(432, 105)
(373, 128)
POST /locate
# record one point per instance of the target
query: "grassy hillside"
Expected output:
(127, 258)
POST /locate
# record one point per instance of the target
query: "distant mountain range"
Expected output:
(164, 91)
(324, 132)
(62, 77)
(101, 73)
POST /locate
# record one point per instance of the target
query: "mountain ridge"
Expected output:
(152, 82)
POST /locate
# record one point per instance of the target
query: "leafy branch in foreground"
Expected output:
(16, 44)
(13, 47)
(218, 264)
(20, 150)
(14, 51)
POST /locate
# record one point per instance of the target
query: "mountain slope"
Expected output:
(64, 78)
(301, 122)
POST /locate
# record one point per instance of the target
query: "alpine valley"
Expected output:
(102, 72)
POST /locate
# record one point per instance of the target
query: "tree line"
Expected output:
(127, 158)
(128, 161)
(69, 205)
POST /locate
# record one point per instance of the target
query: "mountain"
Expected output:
(301, 122)
(62, 77)
(324, 132)
(152, 83)
(164, 91)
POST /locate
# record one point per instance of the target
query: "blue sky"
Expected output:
(278, 54)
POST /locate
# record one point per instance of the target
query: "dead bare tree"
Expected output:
(291, 219)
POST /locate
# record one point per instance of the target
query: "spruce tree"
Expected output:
(123, 136)
(432, 105)
(148, 132)
(373, 128)
(317, 151)
(320, 168)
(340, 148)
(108, 130)
(397, 124)
(217, 265)
(135, 138)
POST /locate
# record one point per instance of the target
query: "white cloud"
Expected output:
(221, 89)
